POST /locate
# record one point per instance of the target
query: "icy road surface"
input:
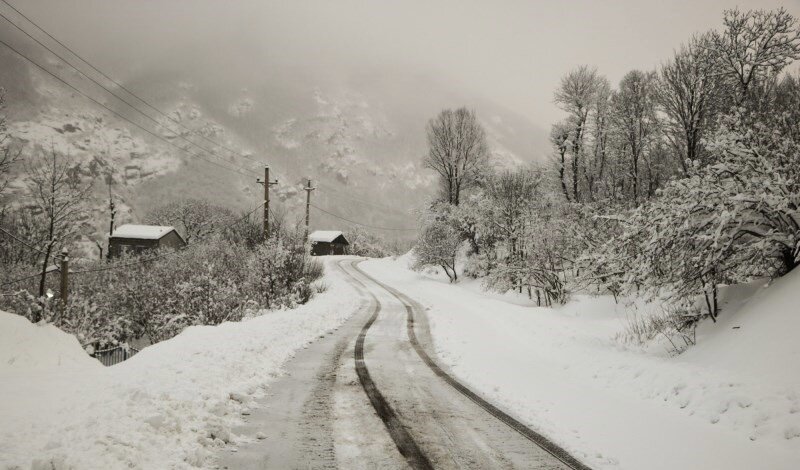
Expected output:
(364, 397)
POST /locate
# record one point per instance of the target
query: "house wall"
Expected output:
(118, 246)
(326, 248)
(171, 240)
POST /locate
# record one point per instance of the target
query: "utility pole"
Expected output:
(64, 280)
(267, 183)
(308, 190)
(113, 210)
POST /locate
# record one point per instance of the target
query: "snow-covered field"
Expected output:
(732, 402)
(167, 407)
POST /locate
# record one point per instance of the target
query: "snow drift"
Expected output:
(25, 346)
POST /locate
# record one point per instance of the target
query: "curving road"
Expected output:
(372, 396)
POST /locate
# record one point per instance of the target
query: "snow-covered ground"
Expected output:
(167, 407)
(732, 402)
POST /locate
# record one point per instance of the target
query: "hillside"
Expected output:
(359, 135)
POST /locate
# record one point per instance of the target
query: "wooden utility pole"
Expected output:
(64, 279)
(267, 183)
(308, 190)
(113, 210)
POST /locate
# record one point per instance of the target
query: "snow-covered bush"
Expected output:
(366, 243)
(676, 324)
(726, 222)
(437, 245)
(281, 277)
(156, 295)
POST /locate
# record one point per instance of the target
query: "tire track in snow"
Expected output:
(400, 435)
(538, 439)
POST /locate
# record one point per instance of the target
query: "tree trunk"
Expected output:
(561, 175)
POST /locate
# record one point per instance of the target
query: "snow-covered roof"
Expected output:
(324, 235)
(144, 232)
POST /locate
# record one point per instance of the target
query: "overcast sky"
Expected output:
(512, 52)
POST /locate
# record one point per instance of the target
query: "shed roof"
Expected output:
(325, 236)
(142, 232)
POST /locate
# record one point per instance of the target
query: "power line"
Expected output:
(362, 224)
(115, 82)
(118, 114)
(20, 280)
(147, 116)
(366, 203)
(28, 244)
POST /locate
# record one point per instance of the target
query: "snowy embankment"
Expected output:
(167, 407)
(732, 402)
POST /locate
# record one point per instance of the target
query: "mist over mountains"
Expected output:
(357, 132)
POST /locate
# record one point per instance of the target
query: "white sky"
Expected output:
(512, 52)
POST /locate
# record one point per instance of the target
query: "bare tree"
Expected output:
(560, 138)
(755, 45)
(687, 92)
(194, 218)
(634, 115)
(457, 151)
(600, 125)
(59, 196)
(575, 95)
(513, 194)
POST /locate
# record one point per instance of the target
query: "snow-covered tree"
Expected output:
(689, 93)
(59, 197)
(437, 245)
(753, 46)
(457, 151)
(194, 218)
(637, 127)
(576, 94)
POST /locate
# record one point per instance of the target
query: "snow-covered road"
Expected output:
(560, 372)
(314, 417)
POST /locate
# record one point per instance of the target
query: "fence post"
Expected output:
(64, 280)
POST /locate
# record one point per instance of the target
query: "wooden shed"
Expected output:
(328, 242)
(131, 238)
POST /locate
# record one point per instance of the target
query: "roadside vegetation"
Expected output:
(225, 273)
(667, 186)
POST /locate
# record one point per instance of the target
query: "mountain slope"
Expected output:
(360, 138)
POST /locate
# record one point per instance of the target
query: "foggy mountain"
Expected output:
(359, 134)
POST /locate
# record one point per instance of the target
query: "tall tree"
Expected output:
(599, 129)
(513, 194)
(457, 151)
(635, 120)
(59, 196)
(575, 95)
(755, 45)
(687, 92)
(560, 138)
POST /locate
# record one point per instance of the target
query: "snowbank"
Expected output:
(25, 347)
(760, 339)
(614, 407)
(167, 407)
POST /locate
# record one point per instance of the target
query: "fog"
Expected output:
(512, 53)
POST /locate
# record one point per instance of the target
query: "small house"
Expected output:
(328, 242)
(130, 238)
